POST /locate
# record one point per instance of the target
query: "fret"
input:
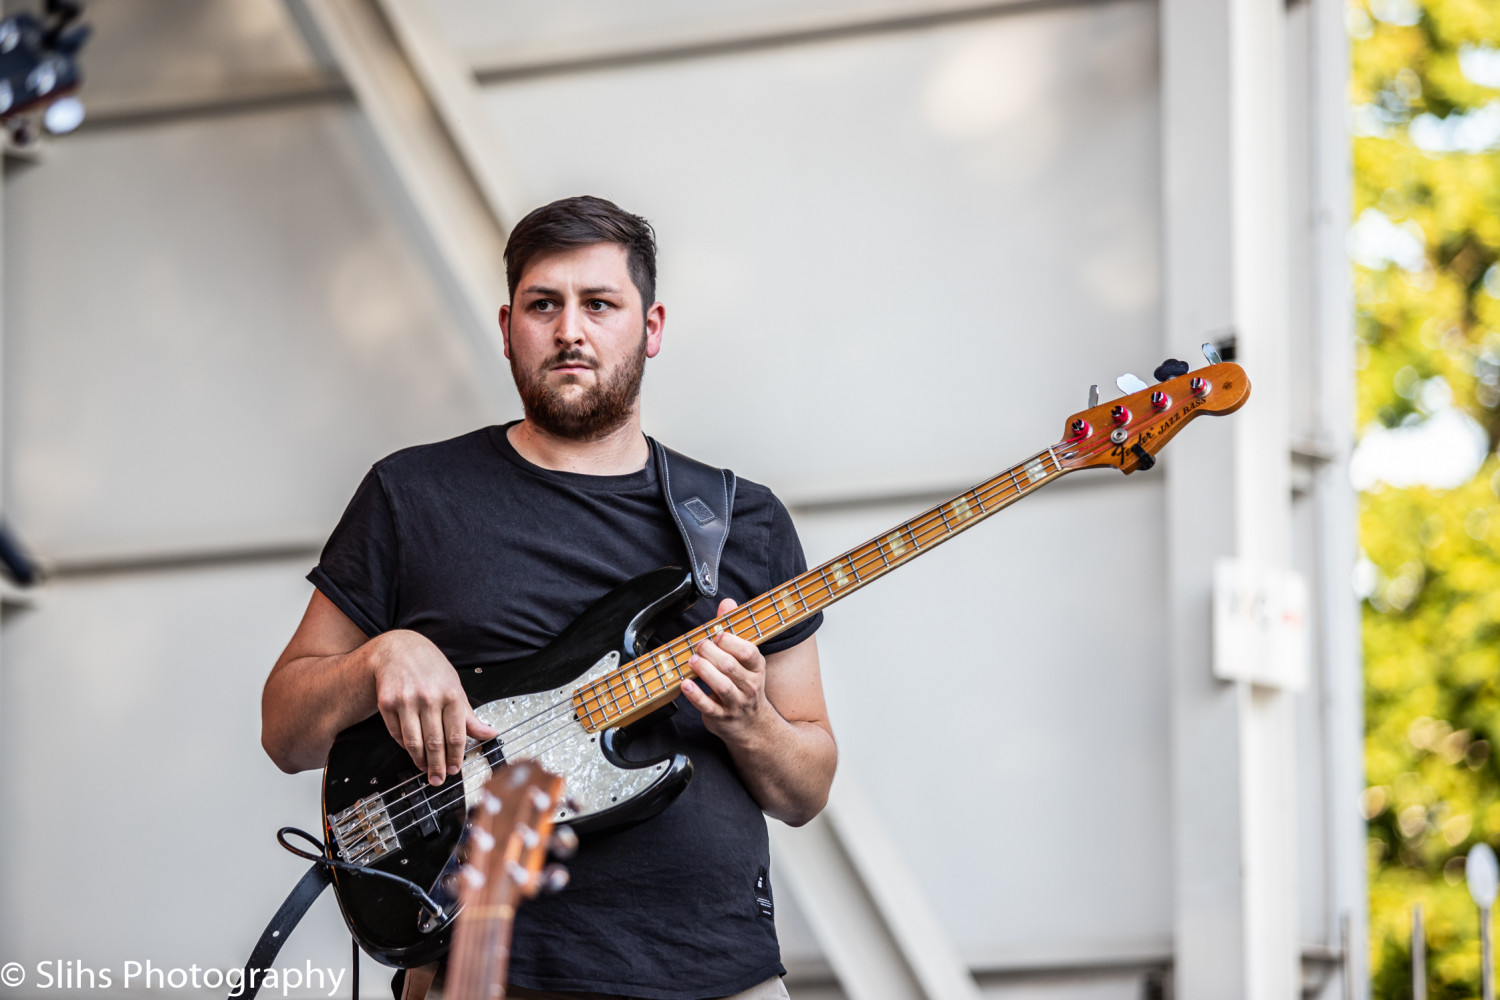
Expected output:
(589, 713)
(767, 608)
(923, 537)
(610, 688)
(652, 676)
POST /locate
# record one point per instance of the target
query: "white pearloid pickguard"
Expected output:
(541, 727)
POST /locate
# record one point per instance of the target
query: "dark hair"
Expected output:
(580, 222)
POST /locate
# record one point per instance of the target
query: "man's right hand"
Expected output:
(331, 676)
(422, 702)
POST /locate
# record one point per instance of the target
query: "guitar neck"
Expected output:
(481, 951)
(647, 682)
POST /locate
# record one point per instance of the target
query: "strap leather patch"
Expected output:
(709, 494)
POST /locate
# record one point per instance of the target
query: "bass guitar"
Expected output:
(564, 705)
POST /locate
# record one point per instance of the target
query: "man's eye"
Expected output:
(542, 305)
(598, 305)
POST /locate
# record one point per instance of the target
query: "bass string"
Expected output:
(548, 714)
(421, 779)
(999, 492)
(544, 717)
(748, 612)
(445, 795)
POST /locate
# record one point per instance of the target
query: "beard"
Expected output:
(585, 415)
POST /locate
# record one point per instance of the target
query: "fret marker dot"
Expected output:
(895, 543)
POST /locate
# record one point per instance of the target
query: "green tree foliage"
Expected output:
(1425, 94)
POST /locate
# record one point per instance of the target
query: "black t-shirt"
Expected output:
(490, 556)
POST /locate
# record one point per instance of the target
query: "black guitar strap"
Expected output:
(701, 499)
(309, 887)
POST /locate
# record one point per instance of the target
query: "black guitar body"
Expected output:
(380, 812)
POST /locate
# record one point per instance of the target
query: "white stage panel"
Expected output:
(248, 329)
(887, 261)
(140, 810)
(1003, 703)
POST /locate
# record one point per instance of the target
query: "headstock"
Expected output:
(1126, 433)
(506, 842)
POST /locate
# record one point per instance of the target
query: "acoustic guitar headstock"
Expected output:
(506, 843)
(1126, 433)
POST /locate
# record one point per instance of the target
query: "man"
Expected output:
(487, 545)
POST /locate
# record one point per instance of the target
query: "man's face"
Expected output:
(578, 338)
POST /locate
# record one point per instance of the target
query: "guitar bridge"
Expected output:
(364, 832)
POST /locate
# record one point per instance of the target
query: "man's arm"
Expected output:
(769, 711)
(330, 676)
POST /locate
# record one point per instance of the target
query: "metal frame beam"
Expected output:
(877, 931)
(1228, 495)
(1333, 496)
(425, 110)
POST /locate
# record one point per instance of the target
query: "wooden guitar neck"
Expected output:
(1124, 434)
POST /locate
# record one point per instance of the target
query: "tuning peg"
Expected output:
(1093, 396)
(564, 842)
(553, 878)
(1130, 383)
(1212, 354)
(1170, 368)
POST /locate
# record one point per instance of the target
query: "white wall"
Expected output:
(893, 259)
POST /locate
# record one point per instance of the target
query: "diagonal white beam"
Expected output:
(424, 109)
(874, 924)
(455, 95)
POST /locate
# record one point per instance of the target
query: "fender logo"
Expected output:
(1122, 452)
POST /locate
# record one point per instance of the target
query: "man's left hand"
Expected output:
(731, 687)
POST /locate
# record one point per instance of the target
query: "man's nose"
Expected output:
(569, 331)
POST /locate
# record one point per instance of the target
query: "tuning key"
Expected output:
(1170, 369)
(1093, 396)
(553, 878)
(1212, 354)
(564, 842)
(1130, 382)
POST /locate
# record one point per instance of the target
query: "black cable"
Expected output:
(354, 980)
(322, 858)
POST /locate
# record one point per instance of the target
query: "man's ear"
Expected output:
(656, 322)
(505, 329)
